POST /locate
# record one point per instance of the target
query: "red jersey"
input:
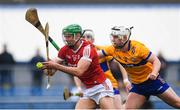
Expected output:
(94, 74)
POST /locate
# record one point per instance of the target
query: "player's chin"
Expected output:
(115, 45)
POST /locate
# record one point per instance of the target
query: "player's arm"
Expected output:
(82, 66)
(156, 66)
(78, 83)
(121, 69)
(105, 51)
(148, 56)
(124, 75)
(115, 63)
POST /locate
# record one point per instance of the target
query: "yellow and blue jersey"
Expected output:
(134, 60)
(105, 67)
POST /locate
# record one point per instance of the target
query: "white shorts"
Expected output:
(99, 91)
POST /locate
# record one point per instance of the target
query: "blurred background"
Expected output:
(156, 24)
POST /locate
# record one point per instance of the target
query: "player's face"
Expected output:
(118, 41)
(69, 39)
(89, 38)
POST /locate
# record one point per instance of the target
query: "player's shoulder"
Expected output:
(136, 43)
(109, 58)
(100, 47)
(64, 48)
(97, 47)
(138, 47)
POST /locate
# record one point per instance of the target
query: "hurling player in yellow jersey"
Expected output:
(142, 67)
(104, 63)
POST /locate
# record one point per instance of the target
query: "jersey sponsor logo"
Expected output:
(75, 57)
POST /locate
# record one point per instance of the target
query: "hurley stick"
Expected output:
(32, 17)
(47, 53)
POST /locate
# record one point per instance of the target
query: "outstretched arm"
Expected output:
(82, 66)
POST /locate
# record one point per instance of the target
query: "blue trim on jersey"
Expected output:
(111, 59)
(150, 87)
(104, 66)
(103, 52)
(148, 56)
(116, 91)
(142, 62)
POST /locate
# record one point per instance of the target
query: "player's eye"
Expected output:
(87, 37)
(68, 35)
(115, 36)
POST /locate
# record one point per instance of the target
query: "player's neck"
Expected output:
(125, 48)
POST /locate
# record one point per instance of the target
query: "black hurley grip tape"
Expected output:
(50, 39)
(37, 24)
(47, 43)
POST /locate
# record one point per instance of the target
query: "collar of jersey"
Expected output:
(78, 47)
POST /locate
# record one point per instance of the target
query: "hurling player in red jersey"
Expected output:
(82, 61)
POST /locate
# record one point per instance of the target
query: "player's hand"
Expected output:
(80, 94)
(80, 91)
(50, 65)
(49, 68)
(152, 76)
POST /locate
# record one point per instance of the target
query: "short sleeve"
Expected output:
(109, 58)
(88, 53)
(108, 51)
(144, 52)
